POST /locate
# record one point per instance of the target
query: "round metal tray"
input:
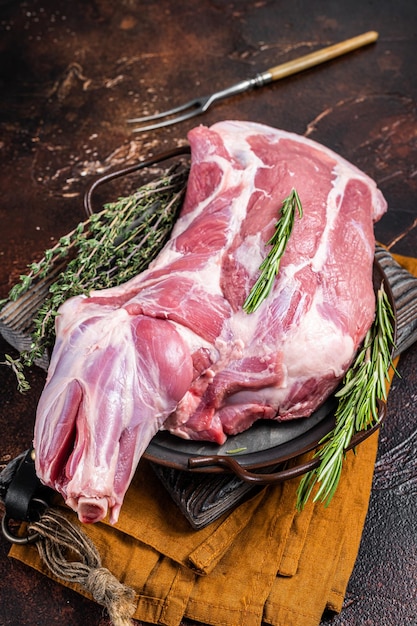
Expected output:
(268, 445)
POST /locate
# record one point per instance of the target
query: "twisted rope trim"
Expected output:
(58, 538)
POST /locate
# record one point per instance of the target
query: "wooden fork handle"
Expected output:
(320, 56)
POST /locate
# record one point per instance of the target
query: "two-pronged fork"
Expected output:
(200, 105)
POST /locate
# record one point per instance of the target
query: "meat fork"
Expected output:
(200, 105)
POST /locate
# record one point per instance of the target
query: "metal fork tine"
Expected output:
(193, 107)
(195, 103)
(173, 120)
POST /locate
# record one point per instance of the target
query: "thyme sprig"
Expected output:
(106, 250)
(364, 384)
(17, 367)
(270, 265)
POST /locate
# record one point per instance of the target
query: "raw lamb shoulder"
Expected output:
(173, 349)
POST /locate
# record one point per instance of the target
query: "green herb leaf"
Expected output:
(17, 366)
(104, 251)
(364, 384)
(236, 450)
(270, 266)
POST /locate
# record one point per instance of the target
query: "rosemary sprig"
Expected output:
(270, 265)
(106, 250)
(364, 384)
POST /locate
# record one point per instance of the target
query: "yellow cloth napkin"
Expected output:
(262, 562)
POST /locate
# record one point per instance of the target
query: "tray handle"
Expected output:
(273, 478)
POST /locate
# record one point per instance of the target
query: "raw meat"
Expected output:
(173, 349)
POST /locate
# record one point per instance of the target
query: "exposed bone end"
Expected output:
(114, 513)
(90, 510)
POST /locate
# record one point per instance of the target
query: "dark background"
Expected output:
(71, 73)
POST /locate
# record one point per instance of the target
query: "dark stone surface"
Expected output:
(71, 73)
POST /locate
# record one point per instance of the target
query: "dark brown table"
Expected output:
(71, 73)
